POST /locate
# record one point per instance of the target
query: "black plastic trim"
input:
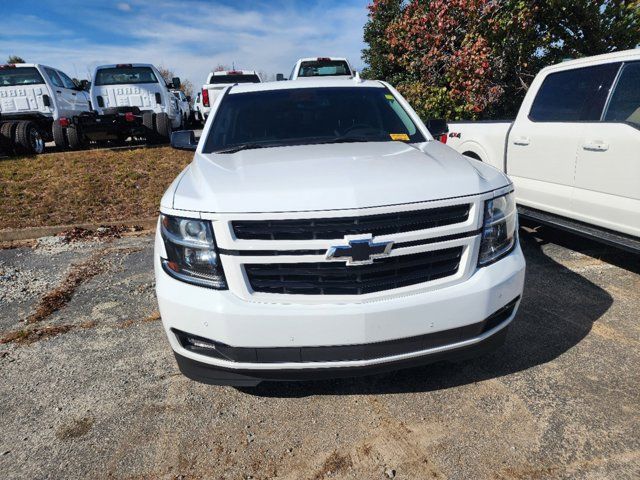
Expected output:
(204, 373)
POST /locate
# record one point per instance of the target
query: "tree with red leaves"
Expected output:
(468, 59)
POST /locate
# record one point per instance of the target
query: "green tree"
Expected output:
(382, 13)
(15, 59)
(579, 28)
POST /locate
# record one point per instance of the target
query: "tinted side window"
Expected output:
(55, 79)
(625, 101)
(67, 82)
(574, 95)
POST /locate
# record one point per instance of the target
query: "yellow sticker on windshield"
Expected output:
(399, 136)
(388, 96)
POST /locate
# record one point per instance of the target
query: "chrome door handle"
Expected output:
(596, 146)
(523, 141)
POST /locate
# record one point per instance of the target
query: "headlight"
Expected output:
(499, 229)
(191, 252)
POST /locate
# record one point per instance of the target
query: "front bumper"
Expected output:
(278, 330)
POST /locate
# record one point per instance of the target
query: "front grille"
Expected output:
(336, 278)
(334, 228)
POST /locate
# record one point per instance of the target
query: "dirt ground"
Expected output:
(89, 387)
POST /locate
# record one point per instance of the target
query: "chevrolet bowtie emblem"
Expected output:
(360, 251)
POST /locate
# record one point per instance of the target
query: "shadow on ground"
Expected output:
(557, 311)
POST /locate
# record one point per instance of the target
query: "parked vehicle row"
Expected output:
(573, 151)
(40, 104)
(311, 68)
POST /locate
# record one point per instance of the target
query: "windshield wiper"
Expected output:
(245, 146)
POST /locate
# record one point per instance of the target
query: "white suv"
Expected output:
(320, 231)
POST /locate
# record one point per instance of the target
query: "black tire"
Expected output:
(163, 126)
(28, 138)
(8, 136)
(149, 121)
(59, 136)
(77, 140)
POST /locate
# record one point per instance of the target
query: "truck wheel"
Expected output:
(59, 136)
(77, 140)
(28, 138)
(163, 125)
(8, 133)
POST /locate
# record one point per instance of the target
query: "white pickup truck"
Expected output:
(38, 104)
(320, 231)
(131, 100)
(573, 151)
(321, 67)
(218, 81)
(184, 104)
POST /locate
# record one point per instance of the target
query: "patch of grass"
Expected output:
(60, 296)
(27, 336)
(89, 186)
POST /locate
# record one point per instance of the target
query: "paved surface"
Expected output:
(93, 391)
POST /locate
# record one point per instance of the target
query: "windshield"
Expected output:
(125, 75)
(232, 78)
(324, 68)
(10, 77)
(309, 115)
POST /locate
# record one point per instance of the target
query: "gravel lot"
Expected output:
(91, 390)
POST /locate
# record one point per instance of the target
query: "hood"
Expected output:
(329, 177)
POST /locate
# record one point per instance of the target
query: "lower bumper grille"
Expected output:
(338, 353)
(336, 278)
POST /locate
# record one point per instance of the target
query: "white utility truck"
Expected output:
(198, 116)
(573, 151)
(218, 81)
(39, 104)
(131, 100)
(320, 67)
(320, 231)
(184, 104)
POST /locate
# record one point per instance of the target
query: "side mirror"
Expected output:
(184, 140)
(188, 98)
(437, 127)
(176, 82)
(279, 77)
(85, 85)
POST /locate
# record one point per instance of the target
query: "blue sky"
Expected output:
(190, 37)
